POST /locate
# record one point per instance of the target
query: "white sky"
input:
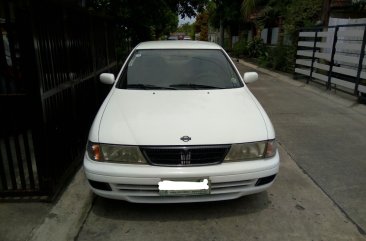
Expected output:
(186, 20)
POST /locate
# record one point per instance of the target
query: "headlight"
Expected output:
(115, 153)
(251, 151)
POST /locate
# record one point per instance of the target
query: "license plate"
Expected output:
(184, 188)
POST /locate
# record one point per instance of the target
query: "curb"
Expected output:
(67, 216)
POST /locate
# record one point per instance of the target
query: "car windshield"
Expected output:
(175, 69)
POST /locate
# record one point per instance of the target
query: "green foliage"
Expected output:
(247, 7)
(267, 15)
(256, 48)
(143, 20)
(359, 5)
(186, 28)
(201, 25)
(240, 48)
(301, 13)
(280, 58)
(227, 10)
(187, 8)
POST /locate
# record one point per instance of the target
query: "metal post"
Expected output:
(93, 56)
(222, 34)
(65, 24)
(295, 55)
(335, 38)
(359, 69)
(106, 39)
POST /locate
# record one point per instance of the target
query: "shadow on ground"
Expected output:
(115, 209)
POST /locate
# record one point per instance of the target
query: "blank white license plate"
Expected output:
(184, 188)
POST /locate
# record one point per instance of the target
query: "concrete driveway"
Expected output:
(322, 200)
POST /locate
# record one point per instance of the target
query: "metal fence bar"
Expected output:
(331, 64)
(19, 162)
(333, 26)
(359, 69)
(28, 160)
(2, 173)
(10, 163)
(345, 57)
(63, 95)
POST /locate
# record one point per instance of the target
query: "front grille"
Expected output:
(185, 156)
(152, 189)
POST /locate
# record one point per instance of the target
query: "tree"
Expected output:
(143, 20)
(187, 29)
(188, 8)
(224, 14)
(201, 25)
(247, 8)
(301, 13)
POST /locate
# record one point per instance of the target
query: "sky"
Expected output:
(186, 20)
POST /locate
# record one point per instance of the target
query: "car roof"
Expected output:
(177, 44)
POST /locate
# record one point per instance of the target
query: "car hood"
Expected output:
(162, 117)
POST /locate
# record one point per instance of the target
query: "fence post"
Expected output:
(313, 57)
(91, 20)
(359, 69)
(335, 38)
(295, 55)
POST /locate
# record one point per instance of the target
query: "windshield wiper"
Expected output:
(196, 86)
(149, 87)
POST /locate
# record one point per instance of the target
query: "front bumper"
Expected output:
(139, 183)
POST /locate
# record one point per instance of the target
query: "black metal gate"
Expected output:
(334, 56)
(49, 93)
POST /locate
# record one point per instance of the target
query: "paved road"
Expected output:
(326, 137)
(312, 130)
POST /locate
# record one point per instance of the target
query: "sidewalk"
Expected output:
(17, 220)
(60, 221)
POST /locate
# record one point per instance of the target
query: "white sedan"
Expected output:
(180, 125)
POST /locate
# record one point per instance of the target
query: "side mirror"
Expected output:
(250, 77)
(107, 78)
